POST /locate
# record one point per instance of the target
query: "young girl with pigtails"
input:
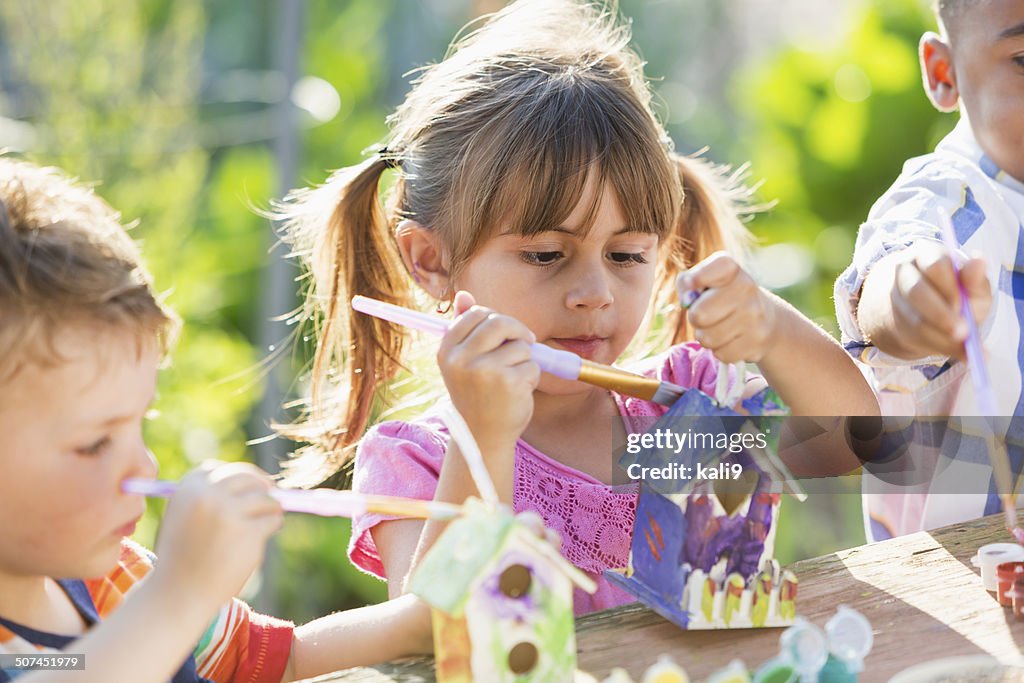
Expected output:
(537, 198)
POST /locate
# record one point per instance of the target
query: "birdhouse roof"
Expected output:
(469, 549)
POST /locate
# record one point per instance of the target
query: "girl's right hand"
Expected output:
(486, 364)
(215, 530)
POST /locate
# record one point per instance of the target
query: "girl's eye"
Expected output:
(541, 258)
(95, 448)
(624, 257)
(1019, 59)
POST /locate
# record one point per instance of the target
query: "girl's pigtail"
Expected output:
(351, 253)
(715, 199)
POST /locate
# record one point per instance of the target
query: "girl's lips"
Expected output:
(584, 347)
(128, 529)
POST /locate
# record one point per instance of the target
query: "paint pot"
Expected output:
(849, 638)
(806, 646)
(777, 670)
(1016, 595)
(1005, 575)
(736, 672)
(836, 671)
(992, 555)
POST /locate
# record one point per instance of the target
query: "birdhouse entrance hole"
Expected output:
(515, 581)
(732, 492)
(522, 658)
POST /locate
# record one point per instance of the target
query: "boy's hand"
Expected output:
(215, 530)
(925, 302)
(734, 317)
(486, 364)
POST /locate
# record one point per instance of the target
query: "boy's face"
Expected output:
(71, 433)
(988, 68)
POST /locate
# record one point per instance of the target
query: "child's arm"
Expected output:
(486, 364)
(910, 304)
(740, 321)
(360, 637)
(146, 639)
(212, 538)
(402, 543)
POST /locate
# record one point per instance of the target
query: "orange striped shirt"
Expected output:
(239, 646)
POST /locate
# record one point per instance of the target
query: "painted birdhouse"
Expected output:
(702, 553)
(502, 601)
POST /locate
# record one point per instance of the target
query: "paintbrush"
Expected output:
(564, 364)
(323, 502)
(983, 392)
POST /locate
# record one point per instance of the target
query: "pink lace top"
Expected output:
(594, 520)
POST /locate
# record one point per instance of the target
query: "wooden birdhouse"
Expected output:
(502, 601)
(702, 553)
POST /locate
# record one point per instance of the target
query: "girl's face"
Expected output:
(72, 432)
(586, 294)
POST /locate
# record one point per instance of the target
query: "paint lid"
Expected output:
(850, 637)
(806, 646)
(990, 556)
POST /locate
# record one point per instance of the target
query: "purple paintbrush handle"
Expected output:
(150, 487)
(323, 503)
(972, 345)
(564, 364)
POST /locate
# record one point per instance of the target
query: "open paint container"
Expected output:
(991, 556)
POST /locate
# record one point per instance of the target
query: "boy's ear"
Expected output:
(937, 72)
(425, 257)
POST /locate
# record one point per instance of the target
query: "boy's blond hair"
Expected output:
(65, 259)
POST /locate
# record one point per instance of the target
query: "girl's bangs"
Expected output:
(532, 166)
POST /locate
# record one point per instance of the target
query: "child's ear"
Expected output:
(425, 257)
(938, 73)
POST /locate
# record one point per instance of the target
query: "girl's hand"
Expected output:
(734, 317)
(215, 531)
(486, 364)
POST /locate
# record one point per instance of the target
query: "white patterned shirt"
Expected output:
(950, 479)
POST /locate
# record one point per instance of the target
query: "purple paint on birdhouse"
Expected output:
(702, 553)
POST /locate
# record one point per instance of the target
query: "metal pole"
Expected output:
(277, 296)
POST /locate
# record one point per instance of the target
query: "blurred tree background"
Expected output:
(189, 115)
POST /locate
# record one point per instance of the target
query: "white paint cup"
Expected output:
(992, 555)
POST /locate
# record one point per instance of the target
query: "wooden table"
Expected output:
(923, 598)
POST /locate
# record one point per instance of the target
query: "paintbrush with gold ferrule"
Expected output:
(560, 363)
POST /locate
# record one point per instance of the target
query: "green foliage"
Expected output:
(118, 107)
(342, 44)
(829, 132)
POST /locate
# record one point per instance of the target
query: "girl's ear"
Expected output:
(424, 256)
(937, 72)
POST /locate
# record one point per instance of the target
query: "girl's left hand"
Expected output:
(734, 317)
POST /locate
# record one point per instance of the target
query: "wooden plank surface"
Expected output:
(923, 598)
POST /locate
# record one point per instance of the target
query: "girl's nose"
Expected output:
(144, 464)
(590, 288)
